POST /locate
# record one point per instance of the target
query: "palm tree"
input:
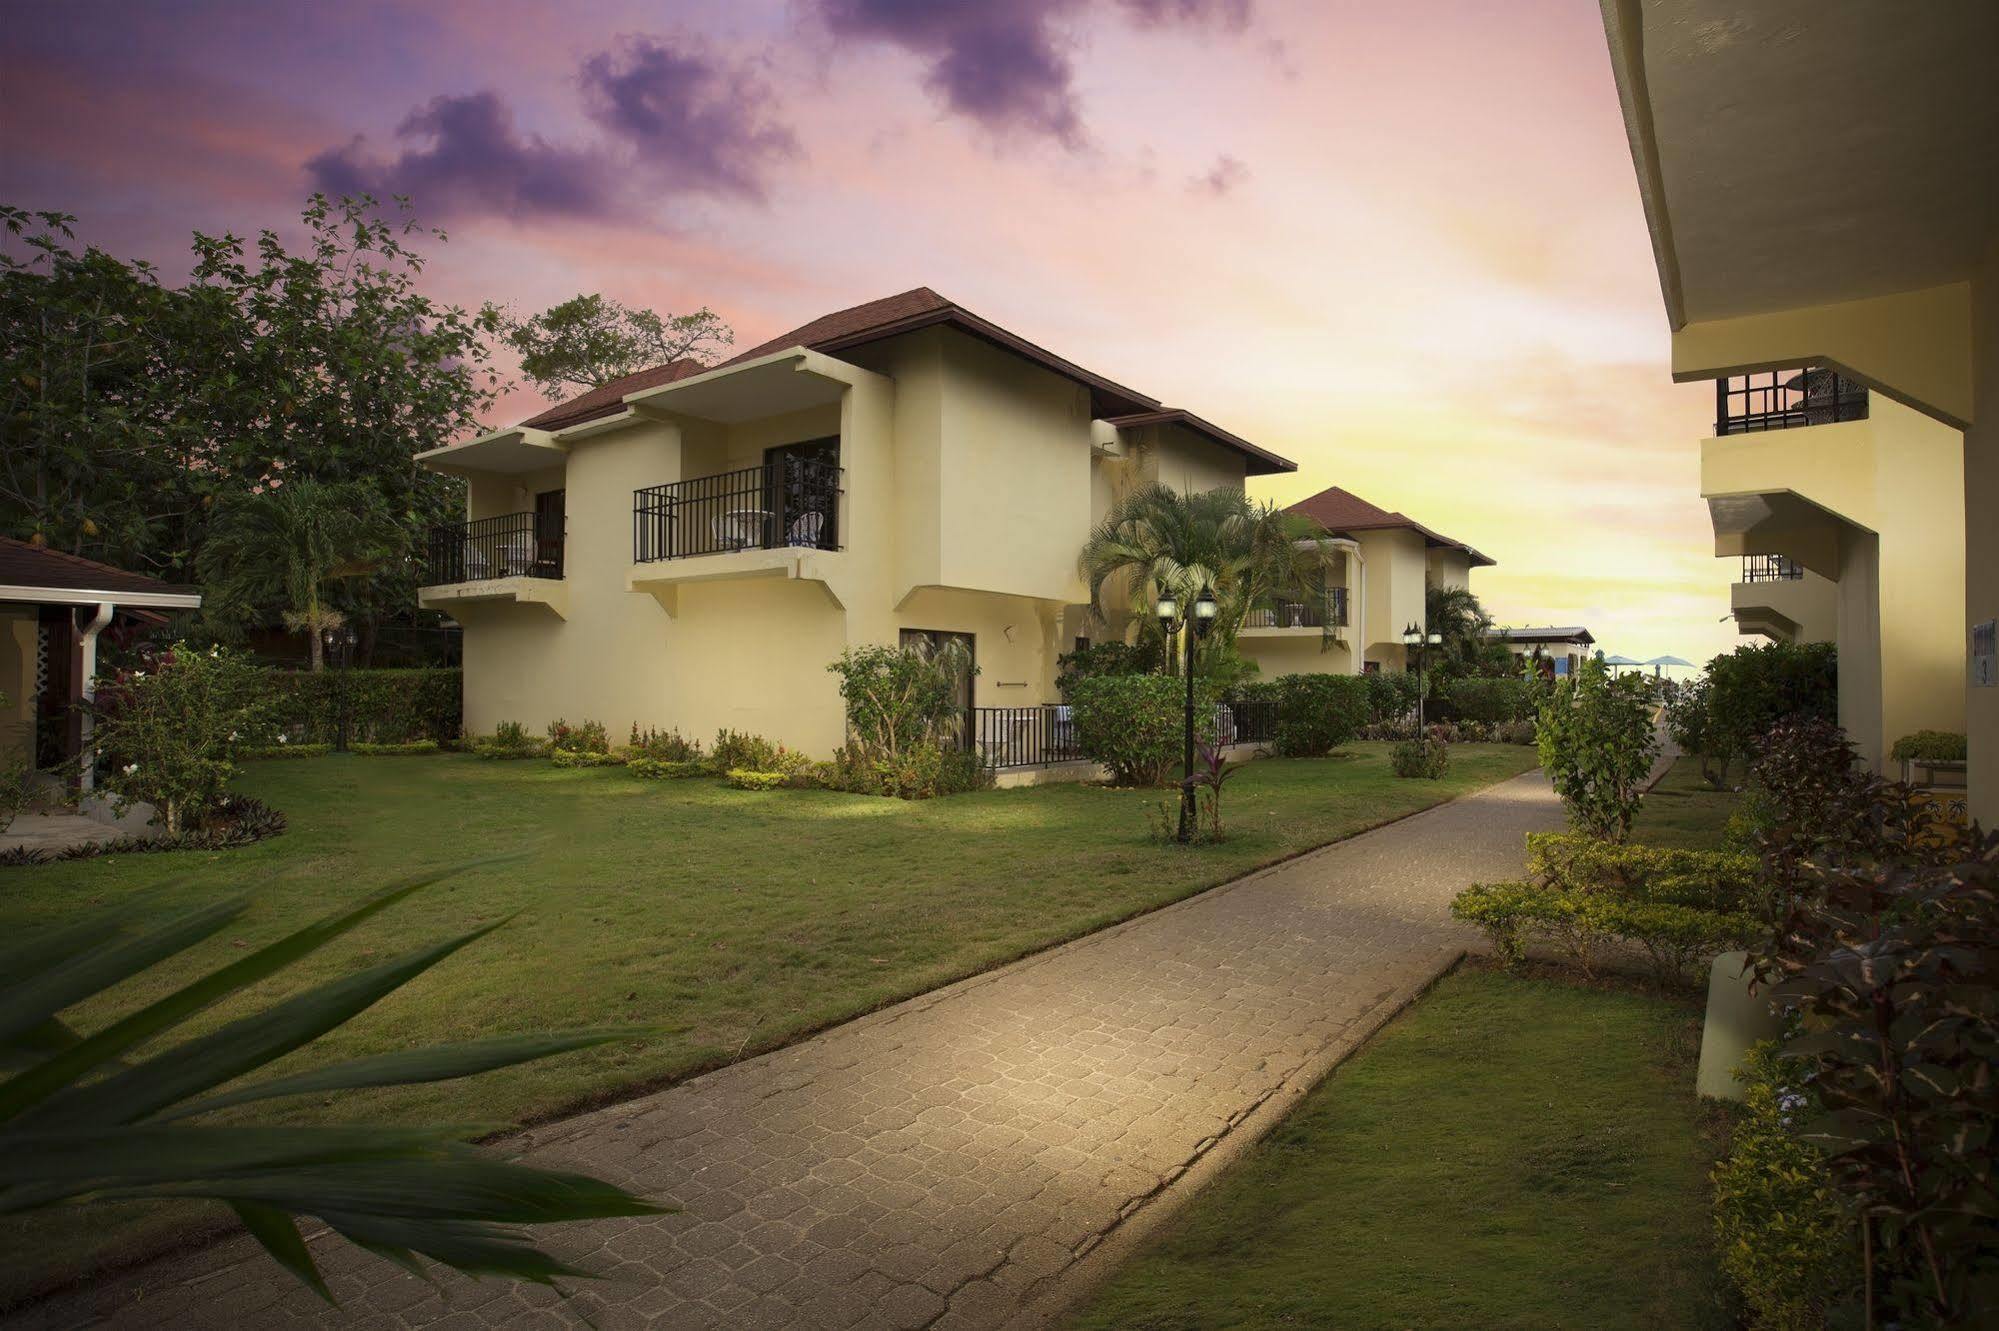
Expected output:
(1455, 614)
(1159, 540)
(288, 544)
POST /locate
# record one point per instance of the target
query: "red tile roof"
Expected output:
(23, 564)
(892, 316)
(608, 399)
(1340, 510)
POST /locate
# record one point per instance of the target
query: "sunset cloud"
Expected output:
(698, 123)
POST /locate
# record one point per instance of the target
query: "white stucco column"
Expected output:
(87, 774)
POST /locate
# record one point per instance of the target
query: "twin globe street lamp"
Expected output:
(1203, 619)
(1419, 642)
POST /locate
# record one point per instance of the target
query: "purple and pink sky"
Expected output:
(1399, 243)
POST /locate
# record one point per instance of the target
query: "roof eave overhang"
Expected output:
(161, 600)
(1624, 30)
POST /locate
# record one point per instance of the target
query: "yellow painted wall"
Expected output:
(1894, 538)
(1397, 562)
(17, 680)
(1449, 568)
(1297, 654)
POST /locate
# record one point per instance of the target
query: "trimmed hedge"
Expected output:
(415, 748)
(1318, 713)
(377, 706)
(666, 769)
(1136, 724)
(743, 779)
(585, 758)
(1475, 698)
(245, 752)
(1931, 746)
(1425, 759)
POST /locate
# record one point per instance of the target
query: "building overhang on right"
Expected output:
(1821, 184)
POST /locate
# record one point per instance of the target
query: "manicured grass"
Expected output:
(729, 921)
(1512, 1152)
(1683, 810)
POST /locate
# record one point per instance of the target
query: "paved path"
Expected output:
(958, 1160)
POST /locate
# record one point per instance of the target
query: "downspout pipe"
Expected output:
(87, 645)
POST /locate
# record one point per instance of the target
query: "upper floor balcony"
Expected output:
(1771, 568)
(787, 502)
(1786, 400)
(511, 557)
(1317, 613)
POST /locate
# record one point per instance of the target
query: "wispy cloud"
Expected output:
(1228, 172)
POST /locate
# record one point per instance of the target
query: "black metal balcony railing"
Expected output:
(1785, 400)
(788, 502)
(1300, 614)
(1011, 737)
(1770, 568)
(514, 545)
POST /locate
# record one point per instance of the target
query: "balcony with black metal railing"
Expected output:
(1770, 568)
(1786, 400)
(786, 503)
(1321, 613)
(513, 545)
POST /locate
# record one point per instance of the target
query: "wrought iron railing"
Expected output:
(514, 545)
(1770, 568)
(1041, 736)
(787, 502)
(1301, 614)
(1785, 400)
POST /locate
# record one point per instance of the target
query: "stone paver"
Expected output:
(946, 1162)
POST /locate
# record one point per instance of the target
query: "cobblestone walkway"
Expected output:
(953, 1161)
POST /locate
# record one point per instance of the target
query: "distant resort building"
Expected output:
(1562, 650)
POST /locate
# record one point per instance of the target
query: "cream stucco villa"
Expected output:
(690, 546)
(1842, 290)
(1388, 560)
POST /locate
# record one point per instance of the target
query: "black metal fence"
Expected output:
(1310, 614)
(1785, 400)
(788, 502)
(1041, 736)
(1770, 568)
(514, 545)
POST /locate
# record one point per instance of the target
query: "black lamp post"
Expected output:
(1418, 642)
(1202, 620)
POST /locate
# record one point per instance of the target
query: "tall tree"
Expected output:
(289, 545)
(1156, 539)
(132, 412)
(1455, 614)
(589, 340)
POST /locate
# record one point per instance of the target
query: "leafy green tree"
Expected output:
(1156, 539)
(1455, 614)
(589, 340)
(289, 545)
(109, 1115)
(1596, 743)
(132, 411)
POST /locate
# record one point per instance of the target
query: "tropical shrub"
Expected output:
(1105, 658)
(112, 1117)
(510, 739)
(737, 749)
(583, 737)
(163, 734)
(1704, 879)
(1596, 742)
(414, 748)
(1391, 696)
(922, 771)
(1787, 1238)
(245, 752)
(1136, 724)
(1891, 965)
(1318, 713)
(1689, 723)
(660, 769)
(1811, 802)
(744, 779)
(1931, 746)
(1211, 774)
(379, 706)
(571, 758)
(1751, 689)
(1515, 732)
(898, 697)
(1426, 758)
(1487, 698)
(667, 746)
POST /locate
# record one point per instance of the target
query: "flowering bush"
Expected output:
(162, 732)
(662, 746)
(583, 737)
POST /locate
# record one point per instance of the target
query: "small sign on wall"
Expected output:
(1985, 654)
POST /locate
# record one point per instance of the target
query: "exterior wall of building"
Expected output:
(1449, 568)
(1981, 550)
(1397, 562)
(1884, 518)
(968, 489)
(1297, 652)
(1804, 609)
(17, 681)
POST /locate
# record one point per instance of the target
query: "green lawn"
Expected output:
(1684, 810)
(731, 921)
(1511, 1153)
